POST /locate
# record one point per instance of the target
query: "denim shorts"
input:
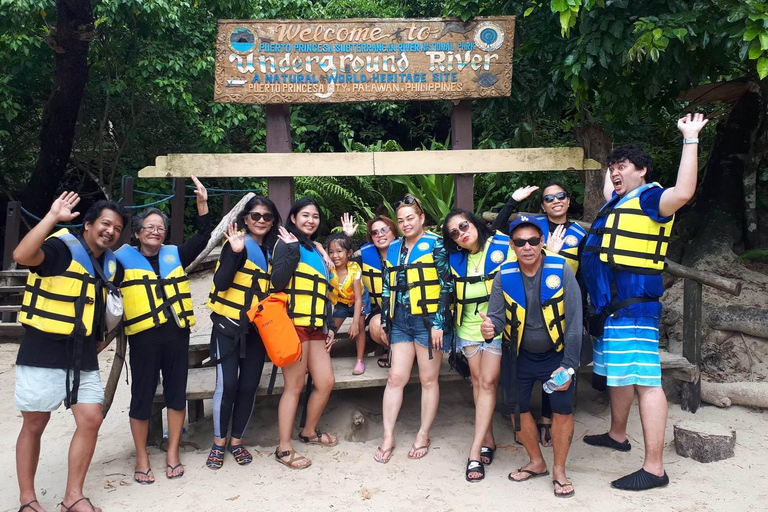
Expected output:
(473, 347)
(341, 310)
(407, 327)
(44, 389)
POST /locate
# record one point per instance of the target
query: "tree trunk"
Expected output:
(597, 144)
(69, 40)
(720, 206)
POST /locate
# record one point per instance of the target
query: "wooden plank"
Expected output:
(467, 161)
(11, 330)
(10, 290)
(692, 321)
(10, 309)
(461, 139)
(19, 272)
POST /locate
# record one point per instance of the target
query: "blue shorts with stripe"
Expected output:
(628, 352)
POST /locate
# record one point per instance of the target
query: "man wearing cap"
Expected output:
(536, 304)
(622, 263)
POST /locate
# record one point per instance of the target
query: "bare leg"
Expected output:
(402, 363)
(28, 453)
(374, 329)
(429, 372)
(139, 431)
(562, 435)
(360, 340)
(529, 437)
(321, 369)
(653, 416)
(88, 418)
(293, 376)
(621, 402)
(175, 426)
(485, 368)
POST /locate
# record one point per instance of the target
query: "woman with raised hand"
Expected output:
(416, 297)
(563, 237)
(475, 255)
(380, 231)
(299, 270)
(157, 316)
(241, 281)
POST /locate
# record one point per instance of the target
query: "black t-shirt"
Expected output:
(45, 350)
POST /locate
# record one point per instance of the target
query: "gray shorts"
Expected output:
(44, 389)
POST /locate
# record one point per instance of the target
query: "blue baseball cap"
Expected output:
(525, 220)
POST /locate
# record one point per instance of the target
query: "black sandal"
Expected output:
(67, 508)
(384, 361)
(474, 466)
(488, 453)
(29, 505)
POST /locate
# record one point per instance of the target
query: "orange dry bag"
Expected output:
(270, 316)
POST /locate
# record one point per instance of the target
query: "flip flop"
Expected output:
(385, 455)
(565, 494)
(68, 508)
(415, 449)
(143, 482)
(488, 453)
(29, 505)
(173, 468)
(532, 474)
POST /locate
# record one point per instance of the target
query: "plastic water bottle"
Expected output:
(558, 380)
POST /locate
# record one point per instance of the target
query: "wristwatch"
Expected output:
(691, 141)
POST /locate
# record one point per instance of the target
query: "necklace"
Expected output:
(477, 261)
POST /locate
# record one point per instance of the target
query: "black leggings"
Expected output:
(237, 380)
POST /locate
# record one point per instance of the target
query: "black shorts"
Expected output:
(532, 367)
(375, 310)
(150, 357)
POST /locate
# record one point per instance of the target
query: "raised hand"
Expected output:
(348, 225)
(486, 328)
(202, 196)
(62, 208)
(556, 240)
(285, 236)
(524, 192)
(691, 125)
(236, 239)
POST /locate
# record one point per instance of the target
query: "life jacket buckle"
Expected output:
(90, 300)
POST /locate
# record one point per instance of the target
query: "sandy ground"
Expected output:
(346, 477)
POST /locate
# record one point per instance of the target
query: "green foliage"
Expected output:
(755, 254)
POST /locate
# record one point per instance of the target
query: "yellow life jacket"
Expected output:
(420, 275)
(344, 292)
(249, 286)
(308, 290)
(551, 300)
(631, 240)
(61, 304)
(149, 300)
(495, 252)
(572, 237)
(371, 272)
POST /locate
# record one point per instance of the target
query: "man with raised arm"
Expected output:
(62, 312)
(622, 264)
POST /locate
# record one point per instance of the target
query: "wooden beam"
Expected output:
(692, 321)
(281, 188)
(287, 165)
(461, 138)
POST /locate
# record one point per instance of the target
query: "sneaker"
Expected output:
(359, 368)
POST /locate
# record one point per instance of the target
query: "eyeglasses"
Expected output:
(256, 216)
(548, 198)
(463, 227)
(533, 241)
(408, 200)
(382, 231)
(154, 229)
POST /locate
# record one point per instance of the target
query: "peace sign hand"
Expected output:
(62, 208)
(236, 239)
(285, 236)
(348, 225)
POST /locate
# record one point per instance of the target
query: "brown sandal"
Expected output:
(293, 458)
(333, 440)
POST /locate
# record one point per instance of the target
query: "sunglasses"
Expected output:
(256, 216)
(382, 231)
(533, 241)
(408, 200)
(548, 198)
(456, 233)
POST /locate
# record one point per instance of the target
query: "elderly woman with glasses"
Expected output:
(417, 292)
(563, 237)
(476, 253)
(157, 316)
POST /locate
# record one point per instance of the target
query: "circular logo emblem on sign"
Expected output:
(497, 256)
(242, 40)
(112, 266)
(489, 36)
(553, 282)
(423, 246)
(571, 241)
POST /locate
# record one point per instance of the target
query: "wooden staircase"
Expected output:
(11, 293)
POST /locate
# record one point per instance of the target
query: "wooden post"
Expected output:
(461, 138)
(127, 186)
(177, 212)
(281, 190)
(12, 225)
(227, 207)
(692, 328)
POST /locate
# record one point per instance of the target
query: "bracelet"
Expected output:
(691, 141)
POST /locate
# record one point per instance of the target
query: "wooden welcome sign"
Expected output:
(342, 61)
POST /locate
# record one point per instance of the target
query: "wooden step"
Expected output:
(12, 290)
(22, 272)
(13, 308)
